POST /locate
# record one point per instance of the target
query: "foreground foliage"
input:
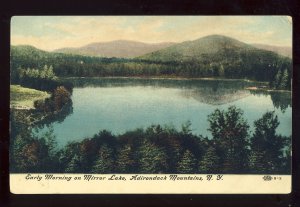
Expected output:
(158, 149)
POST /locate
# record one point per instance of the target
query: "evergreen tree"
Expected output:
(186, 128)
(105, 162)
(266, 145)
(187, 164)
(277, 80)
(19, 162)
(284, 80)
(257, 163)
(50, 140)
(287, 158)
(210, 161)
(230, 132)
(74, 166)
(152, 159)
(125, 162)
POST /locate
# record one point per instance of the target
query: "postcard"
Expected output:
(151, 104)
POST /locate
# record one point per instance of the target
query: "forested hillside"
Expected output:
(281, 50)
(212, 56)
(223, 56)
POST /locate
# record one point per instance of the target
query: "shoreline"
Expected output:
(164, 78)
(184, 78)
(254, 88)
(23, 98)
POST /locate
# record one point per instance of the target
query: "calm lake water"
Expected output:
(119, 105)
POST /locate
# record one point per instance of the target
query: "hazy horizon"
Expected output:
(54, 32)
(88, 43)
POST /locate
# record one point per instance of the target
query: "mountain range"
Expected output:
(214, 48)
(185, 50)
(210, 56)
(198, 49)
(118, 49)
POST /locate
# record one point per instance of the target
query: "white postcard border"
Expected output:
(31, 183)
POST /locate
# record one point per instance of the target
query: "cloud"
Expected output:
(56, 32)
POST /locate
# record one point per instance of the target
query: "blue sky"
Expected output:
(53, 32)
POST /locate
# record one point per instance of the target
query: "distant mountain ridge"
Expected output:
(200, 49)
(166, 50)
(118, 49)
(213, 48)
(210, 56)
(282, 50)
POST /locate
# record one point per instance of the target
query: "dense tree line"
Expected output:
(158, 149)
(45, 79)
(256, 65)
(57, 105)
(42, 78)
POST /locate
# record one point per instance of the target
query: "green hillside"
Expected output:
(222, 56)
(211, 48)
(211, 56)
(198, 49)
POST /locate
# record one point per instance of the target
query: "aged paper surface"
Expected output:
(230, 184)
(151, 104)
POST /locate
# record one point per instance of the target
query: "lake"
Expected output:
(123, 104)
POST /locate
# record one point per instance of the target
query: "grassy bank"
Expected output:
(23, 98)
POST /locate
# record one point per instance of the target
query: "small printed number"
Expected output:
(269, 178)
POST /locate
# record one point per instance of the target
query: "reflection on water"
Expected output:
(166, 83)
(120, 104)
(215, 97)
(58, 117)
(281, 100)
